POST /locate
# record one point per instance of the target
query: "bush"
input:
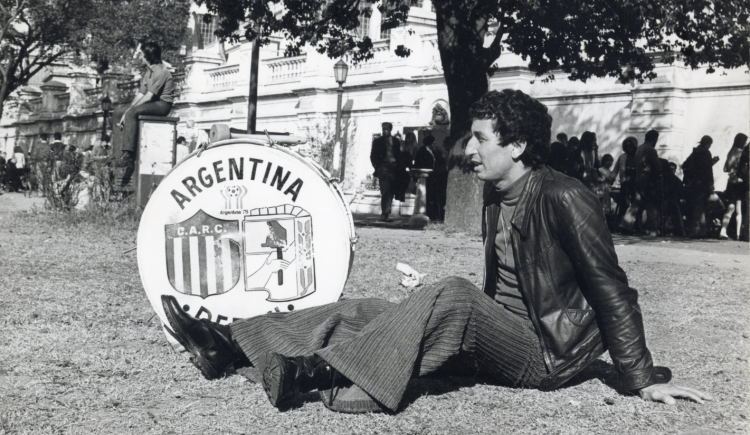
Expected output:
(81, 192)
(320, 134)
(59, 181)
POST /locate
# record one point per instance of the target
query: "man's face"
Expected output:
(492, 161)
(387, 131)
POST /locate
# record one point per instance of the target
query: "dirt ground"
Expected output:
(82, 352)
(15, 202)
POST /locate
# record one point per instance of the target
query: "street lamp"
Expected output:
(106, 108)
(340, 70)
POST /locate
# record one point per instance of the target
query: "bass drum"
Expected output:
(244, 228)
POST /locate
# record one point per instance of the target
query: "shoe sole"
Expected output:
(271, 367)
(208, 371)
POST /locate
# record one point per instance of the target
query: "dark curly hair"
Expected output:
(152, 52)
(517, 118)
(587, 140)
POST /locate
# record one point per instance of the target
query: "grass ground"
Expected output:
(81, 352)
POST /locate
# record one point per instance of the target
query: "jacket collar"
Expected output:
(528, 197)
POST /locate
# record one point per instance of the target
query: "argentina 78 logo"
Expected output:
(204, 255)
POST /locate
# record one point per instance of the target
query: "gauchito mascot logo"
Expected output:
(278, 243)
(242, 230)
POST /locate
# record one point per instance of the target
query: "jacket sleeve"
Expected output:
(653, 162)
(587, 242)
(375, 156)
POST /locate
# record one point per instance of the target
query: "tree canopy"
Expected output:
(37, 33)
(34, 34)
(116, 27)
(581, 38)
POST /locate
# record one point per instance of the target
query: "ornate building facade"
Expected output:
(298, 95)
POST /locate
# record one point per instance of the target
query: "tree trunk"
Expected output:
(465, 71)
(3, 97)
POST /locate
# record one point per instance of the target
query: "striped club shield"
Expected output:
(203, 255)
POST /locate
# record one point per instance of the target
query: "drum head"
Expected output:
(244, 230)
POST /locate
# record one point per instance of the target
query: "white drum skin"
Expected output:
(242, 229)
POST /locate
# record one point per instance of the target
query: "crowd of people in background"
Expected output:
(26, 171)
(393, 158)
(640, 181)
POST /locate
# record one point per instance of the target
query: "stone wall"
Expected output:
(72, 108)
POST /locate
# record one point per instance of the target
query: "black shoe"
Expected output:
(283, 378)
(213, 349)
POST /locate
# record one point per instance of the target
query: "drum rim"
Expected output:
(317, 169)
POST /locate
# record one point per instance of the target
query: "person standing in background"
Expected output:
(699, 185)
(181, 150)
(401, 183)
(624, 173)
(734, 191)
(2, 171)
(744, 168)
(573, 163)
(384, 156)
(39, 160)
(647, 187)
(605, 185)
(590, 175)
(430, 157)
(57, 149)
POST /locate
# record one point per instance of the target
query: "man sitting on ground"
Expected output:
(554, 298)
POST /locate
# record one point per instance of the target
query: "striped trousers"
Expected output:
(380, 345)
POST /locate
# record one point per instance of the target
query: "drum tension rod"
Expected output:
(202, 147)
(270, 141)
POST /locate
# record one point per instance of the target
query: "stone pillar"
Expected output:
(419, 219)
(81, 82)
(25, 106)
(49, 90)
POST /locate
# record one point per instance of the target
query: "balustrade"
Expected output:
(381, 55)
(224, 77)
(286, 69)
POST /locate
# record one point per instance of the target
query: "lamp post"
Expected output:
(106, 107)
(340, 70)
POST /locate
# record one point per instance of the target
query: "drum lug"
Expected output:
(202, 147)
(353, 241)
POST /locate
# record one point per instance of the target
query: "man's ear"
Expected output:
(517, 148)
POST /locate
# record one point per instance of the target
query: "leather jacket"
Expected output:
(378, 153)
(578, 297)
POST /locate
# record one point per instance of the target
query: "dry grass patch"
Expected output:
(82, 352)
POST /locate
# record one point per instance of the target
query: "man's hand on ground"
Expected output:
(666, 393)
